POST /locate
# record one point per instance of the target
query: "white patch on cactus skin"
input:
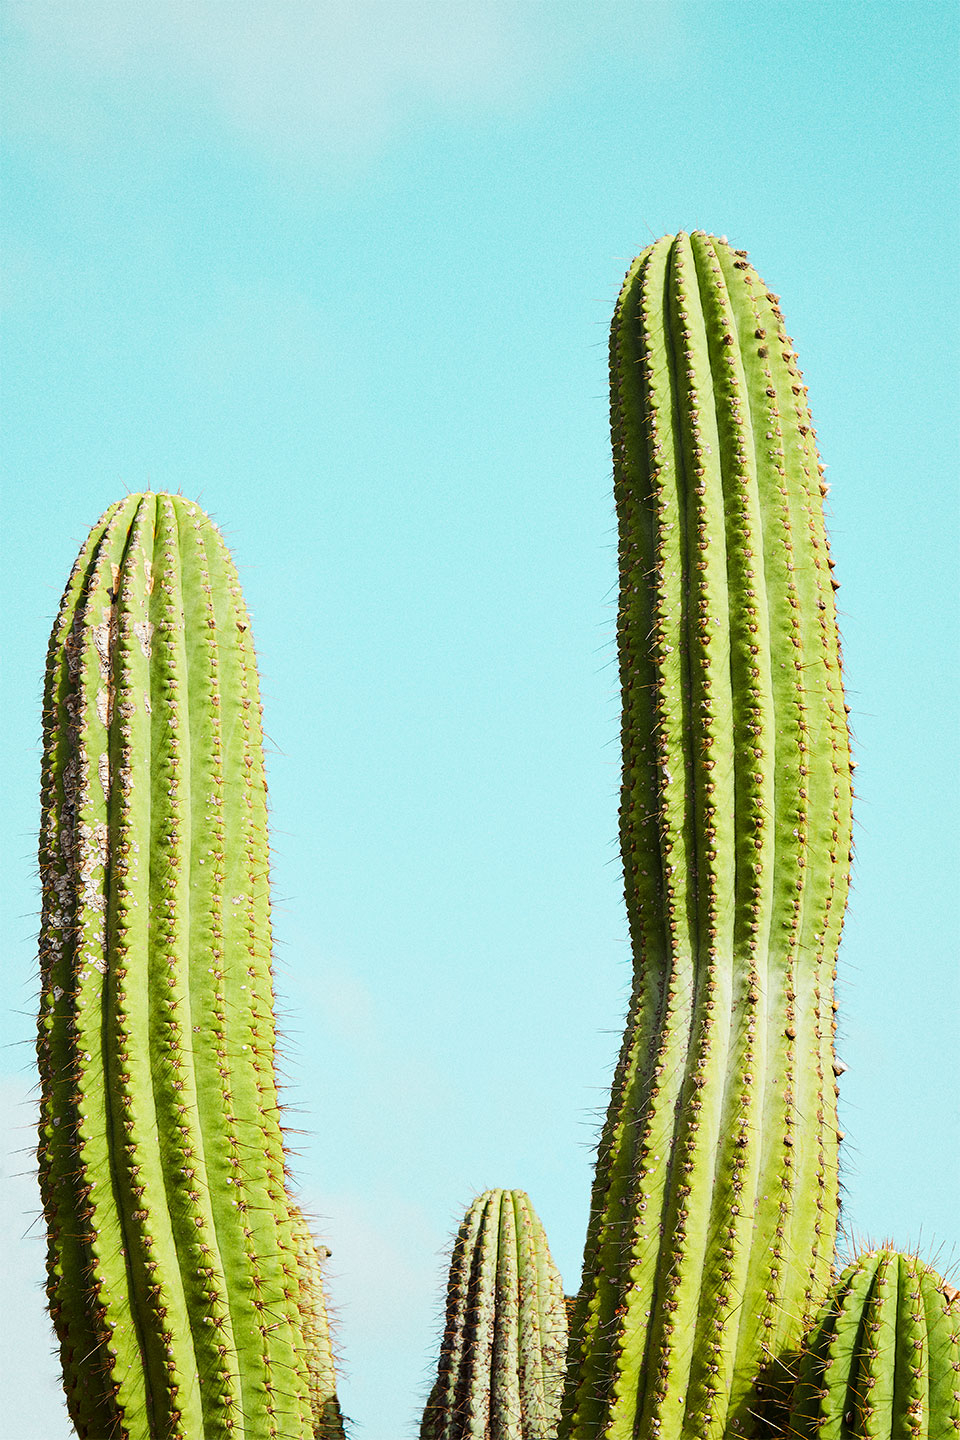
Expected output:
(101, 641)
(93, 863)
(70, 645)
(143, 629)
(103, 771)
(148, 572)
(103, 706)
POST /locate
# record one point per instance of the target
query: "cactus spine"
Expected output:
(501, 1361)
(883, 1357)
(715, 1203)
(173, 1278)
(324, 1406)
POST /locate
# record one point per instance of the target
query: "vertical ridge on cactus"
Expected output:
(715, 1204)
(172, 1266)
(882, 1359)
(501, 1361)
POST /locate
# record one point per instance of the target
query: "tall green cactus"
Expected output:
(882, 1360)
(173, 1274)
(715, 1204)
(501, 1361)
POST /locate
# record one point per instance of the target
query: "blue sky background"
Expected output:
(342, 271)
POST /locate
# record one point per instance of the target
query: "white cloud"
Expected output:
(335, 75)
(326, 76)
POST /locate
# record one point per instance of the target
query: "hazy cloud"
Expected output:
(336, 76)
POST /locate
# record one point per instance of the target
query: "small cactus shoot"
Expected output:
(715, 1204)
(882, 1360)
(173, 1278)
(501, 1360)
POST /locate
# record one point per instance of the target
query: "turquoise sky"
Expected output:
(342, 271)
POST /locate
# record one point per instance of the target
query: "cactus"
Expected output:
(184, 1284)
(501, 1361)
(883, 1357)
(324, 1406)
(714, 1209)
(172, 1263)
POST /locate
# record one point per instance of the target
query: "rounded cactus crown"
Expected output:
(173, 1278)
(882, 1360)
(501, 1360)
(715, 1205)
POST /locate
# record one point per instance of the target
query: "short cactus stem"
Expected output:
(501, 1360)
(324, 1406)
(715, 1204)
(173, 1275)
(882, 1360)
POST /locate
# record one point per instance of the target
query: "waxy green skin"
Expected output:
(714, 1210)
(882, 1360)
(500, 1374)
(172, 1267)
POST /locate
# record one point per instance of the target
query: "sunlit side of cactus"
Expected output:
(715, 1205)
(500, 1374)
(324, 1406)
(882, 1361)
(172, 1275)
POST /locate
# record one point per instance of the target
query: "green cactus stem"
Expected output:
(501, 1360)
(324, 1406)
(715, 1204)
(882, 1361)
(172, 1267)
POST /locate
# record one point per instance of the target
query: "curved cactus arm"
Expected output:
(882, 1359)
(500, 1373)
(715, 1204)
(172, 1270)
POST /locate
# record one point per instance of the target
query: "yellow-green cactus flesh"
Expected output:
(882, 1360)
(715, 1204)
(324, 1405)
(173, 1279)
(500, 1374)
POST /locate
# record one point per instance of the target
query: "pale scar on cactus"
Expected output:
(882, 1359)
(501, 1361)
(173, 1275)
(715, 1204)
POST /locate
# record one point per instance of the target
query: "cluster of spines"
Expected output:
(174, 1283)
(715, 1205)
(500, 1374)
(324, 1405)
(882, 1359)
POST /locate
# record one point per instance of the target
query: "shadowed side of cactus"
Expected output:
(324, 1406)
(501, 1361)
(172, 1268)
(882, 1360)
(715, 1204)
